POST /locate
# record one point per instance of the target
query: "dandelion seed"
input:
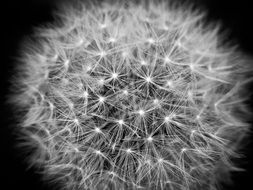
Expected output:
(76, 121)
(165, 27)
(102, 54)
(98, 152)
(88, 68)
(143, 62)
(55, 57)
(167, 59)
(156, 101)
(148, 79)
(101, 99)
(151, 40)
(101, 81)
(112, 40)
(148, 161)
(141, 112)
(167, 119)
(71, 105)
(114, 75)
(150, 139)
(125, 54)
(85, 94)
(113, 146)
(129, 150)
(125, 92)
(170, 83)
(103, 26)
(121, 122)
(112, 173)
(79, 42)
(160, 160)
(66, 64)
(192, 66)
(183, 150)
(97, 130)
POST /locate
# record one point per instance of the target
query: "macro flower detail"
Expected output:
(127, 96)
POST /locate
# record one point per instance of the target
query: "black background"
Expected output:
(17, 20)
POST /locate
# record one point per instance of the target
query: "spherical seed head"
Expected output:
(112, 78)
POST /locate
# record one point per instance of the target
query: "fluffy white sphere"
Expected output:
(129, 96)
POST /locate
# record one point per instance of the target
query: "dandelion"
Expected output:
(149, 99)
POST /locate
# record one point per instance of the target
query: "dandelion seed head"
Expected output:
(132, 96)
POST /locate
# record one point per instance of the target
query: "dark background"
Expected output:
(17, 20)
